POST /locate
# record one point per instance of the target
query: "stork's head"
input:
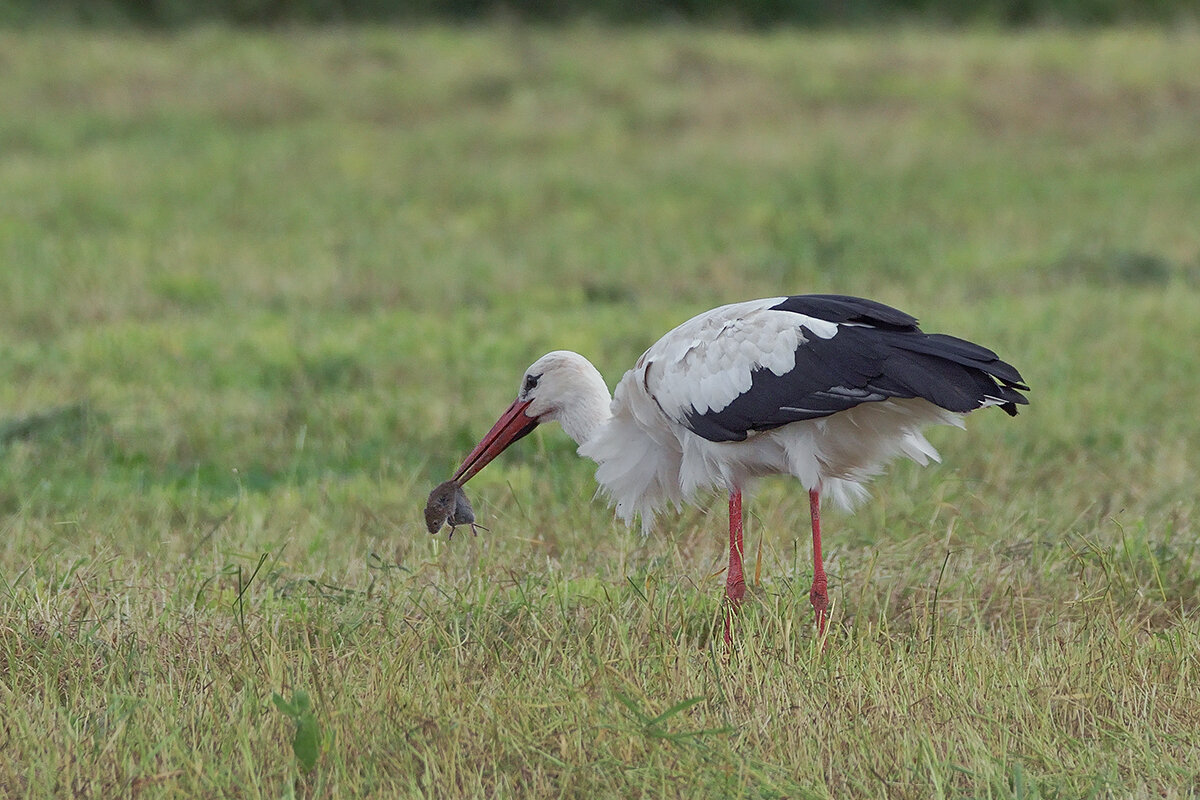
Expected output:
(560, 387)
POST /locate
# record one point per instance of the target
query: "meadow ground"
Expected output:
(260, 292)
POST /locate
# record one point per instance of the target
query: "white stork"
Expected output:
(826, 388)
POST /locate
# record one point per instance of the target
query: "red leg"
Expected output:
(818, 595)
(735, 580)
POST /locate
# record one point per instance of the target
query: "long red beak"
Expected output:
(512, 425)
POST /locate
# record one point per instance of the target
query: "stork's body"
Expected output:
(826, 388)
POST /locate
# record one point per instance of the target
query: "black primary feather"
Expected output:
(877, 353)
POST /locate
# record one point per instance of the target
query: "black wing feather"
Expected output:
(878, 353)
(842, 308)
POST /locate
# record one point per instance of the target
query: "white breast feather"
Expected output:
(638, 452)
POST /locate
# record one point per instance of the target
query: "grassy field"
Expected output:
(259, 293)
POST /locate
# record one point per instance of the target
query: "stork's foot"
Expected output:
(735, 592)
(818, 595)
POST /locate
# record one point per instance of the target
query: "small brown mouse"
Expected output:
(448, 503)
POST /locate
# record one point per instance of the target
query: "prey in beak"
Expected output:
(448, 502)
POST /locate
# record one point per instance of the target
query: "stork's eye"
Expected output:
(531, 381)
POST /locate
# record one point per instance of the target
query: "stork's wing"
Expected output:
(762, 364)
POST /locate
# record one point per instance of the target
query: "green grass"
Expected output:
(259, 293)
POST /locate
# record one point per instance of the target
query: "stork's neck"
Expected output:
(587, 412)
